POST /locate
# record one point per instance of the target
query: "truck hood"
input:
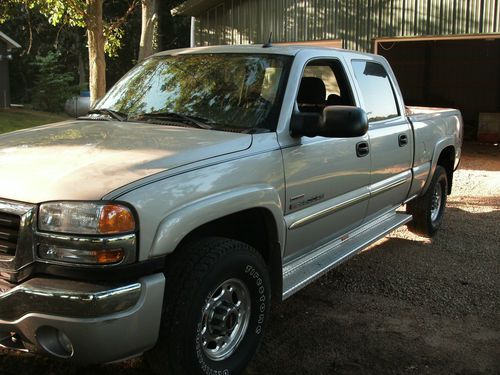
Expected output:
(87, 159)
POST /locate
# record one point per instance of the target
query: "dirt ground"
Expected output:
(407, 305)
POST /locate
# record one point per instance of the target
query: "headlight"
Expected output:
(86, 233)
(85, 218)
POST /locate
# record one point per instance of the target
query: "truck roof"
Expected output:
(290, 50)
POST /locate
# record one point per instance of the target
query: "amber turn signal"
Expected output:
(116, 219)
(108, 256)
(63, 254)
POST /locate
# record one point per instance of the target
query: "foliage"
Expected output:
(53, 86)
(73, 13)
(24, 22)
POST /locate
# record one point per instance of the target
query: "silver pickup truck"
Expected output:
(205, 184)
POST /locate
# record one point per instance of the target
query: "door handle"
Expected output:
(402, 140)
(362, 149)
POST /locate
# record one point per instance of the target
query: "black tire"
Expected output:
(192, 279)
(426, 219)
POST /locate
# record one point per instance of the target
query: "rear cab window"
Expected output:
(376, 90)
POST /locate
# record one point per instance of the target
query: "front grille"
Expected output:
(9, 233)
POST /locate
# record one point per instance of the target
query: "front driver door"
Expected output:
(326, 178)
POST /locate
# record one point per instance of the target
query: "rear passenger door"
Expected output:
(390, 135)
(326, 181)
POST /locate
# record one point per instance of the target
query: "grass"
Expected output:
(17, 118)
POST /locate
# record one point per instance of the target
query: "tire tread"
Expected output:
(421, 223)
(188, 267)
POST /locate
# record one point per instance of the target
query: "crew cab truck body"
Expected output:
(206, 182)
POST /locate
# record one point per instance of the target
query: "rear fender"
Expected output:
(440, 146)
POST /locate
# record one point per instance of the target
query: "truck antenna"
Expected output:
(268, 44)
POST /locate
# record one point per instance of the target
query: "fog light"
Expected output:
(64, 342)
(54, 342)
(62, 254)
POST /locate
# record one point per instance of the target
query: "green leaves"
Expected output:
(74, 13)
(113, 40)
(53, 86)
(71, 12)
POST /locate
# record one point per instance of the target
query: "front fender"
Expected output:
(179, 223)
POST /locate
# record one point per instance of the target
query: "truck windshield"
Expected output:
(237, 91)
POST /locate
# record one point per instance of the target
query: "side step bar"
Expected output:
(304, 270)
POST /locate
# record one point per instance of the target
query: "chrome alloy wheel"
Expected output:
(225, 319)
(436, 202)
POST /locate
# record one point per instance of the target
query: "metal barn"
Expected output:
(444, 52)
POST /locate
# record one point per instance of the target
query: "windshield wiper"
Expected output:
(197, 121)
(109, 112)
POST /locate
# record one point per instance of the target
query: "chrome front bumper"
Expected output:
(102, 322)
(87, 322)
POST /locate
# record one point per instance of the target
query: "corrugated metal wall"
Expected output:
(356, 22)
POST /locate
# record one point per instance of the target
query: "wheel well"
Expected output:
(255, 227)
(447, 161)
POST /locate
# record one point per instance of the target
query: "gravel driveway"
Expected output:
(406, 305)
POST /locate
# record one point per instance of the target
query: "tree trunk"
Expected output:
(96, 41)
(149, 29)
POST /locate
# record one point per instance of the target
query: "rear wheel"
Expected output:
(428, 210)
(217, 301)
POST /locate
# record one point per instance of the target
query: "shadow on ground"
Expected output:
(406, 305)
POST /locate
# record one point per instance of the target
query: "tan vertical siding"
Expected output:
(356, 22)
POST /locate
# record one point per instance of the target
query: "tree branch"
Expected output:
(76, 6)
(120, 21)
(29, 28)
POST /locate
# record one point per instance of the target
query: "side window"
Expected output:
(376, 89)
(323, 83)
(325, 73)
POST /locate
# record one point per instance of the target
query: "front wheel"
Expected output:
(217, 302)
(428, 210)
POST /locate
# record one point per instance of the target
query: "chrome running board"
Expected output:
(304, 270)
